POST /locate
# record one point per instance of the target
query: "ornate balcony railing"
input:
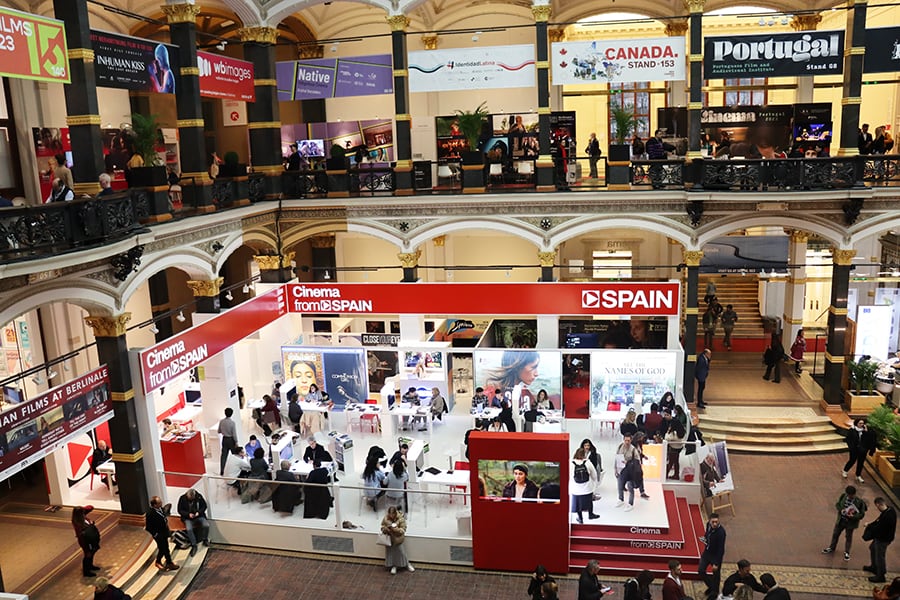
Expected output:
(303, 184)
(371, 180)
(778, 174)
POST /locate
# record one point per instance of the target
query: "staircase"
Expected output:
(778, 430)
(743, 293)
(141, 578)
(622, 551)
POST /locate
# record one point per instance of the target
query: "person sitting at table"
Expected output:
(496, 424)
(270, 415)
(543, 401)
(314, 395)
(168, 427)
(497, 400)
(395, 482)
(252, 445)
(480, 399)
(286, 496)
(101, 455)
(506, 415)
(259, 467)
(256, 488)
(237, 467)
(374, 480)
(520, 487)
(411, 396)
(399, 455)
(316, 452)
(318, 498)
(531, 415)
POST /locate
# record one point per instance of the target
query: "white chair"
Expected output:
(444, 172)
(525, 170)
(496, 171)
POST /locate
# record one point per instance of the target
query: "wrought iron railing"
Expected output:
(778, 174)
(302, 184)
(371, 180)
(658, 174)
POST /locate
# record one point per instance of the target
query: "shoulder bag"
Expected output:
(383, 539)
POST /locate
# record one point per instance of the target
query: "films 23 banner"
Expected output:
(335, 77)
(478, 68)
(32, 47)
(774, 55)
(131, 63)
(31, 430)
(604, 61)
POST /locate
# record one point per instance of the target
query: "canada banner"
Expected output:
(225, 77)
(618, 61)
(31, 430)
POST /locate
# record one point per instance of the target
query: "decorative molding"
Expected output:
(206, 289)
(182, 123)
(692, 257)
(439, 241)
(542, 64)
(834, 359)
(403, 117)
(838, 312)
(121, 457)
(82, 54)
(691, 310)
(548, 259)
(126, 263)
(797, 236)
(259, 35)
(181, 13)
(310, 51)
(398, 22)
(430, 41)
(195, 71)
(265, 82)
(556, 34)
(264, 125)
(847, 100)
(400, 73)
(122, 396)
(108, 327)
(694, 6)
(409, 260)
(76, 120)
(695, 106)
(676, 27)
(323, 241)
(541, 13)
(806, 22)
(269, 262)
(842, 256)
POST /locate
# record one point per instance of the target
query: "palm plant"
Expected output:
(144, 138)
(624, 119)
(470, 123)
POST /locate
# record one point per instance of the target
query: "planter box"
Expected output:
(887, 470)
(865, 403)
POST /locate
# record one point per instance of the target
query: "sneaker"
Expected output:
(860, 479)
(393, 570)
(827, 550)
(620, 503)
(410, 568)
(844, 474)
(846, 556)
(629, 508)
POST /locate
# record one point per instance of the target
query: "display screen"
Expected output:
(520, 375)
(192, 396)
(314, 148)
(518, 481)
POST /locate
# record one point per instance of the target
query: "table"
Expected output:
(303, 468)
(487, 413)
(547, 427)
(355, 414)
(183, 454)
(607, 417)
(107, 468)
(187, 415)
(256, 403)
(458, 478)
(408, 410)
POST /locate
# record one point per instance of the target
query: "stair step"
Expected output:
(812, 429)
(818, 448)
(793, 440)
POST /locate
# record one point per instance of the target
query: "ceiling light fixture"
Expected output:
(327, 275)
(51, 374)
(38, 380)
(153, 329)
(246, 289)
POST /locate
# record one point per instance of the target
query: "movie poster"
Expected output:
(631, 378)
(637, 333)
(131, 63)
(48, 143)
(715, 470)
(520, 375)
(339, 372)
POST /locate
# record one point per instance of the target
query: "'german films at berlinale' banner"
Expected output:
(32, 47)
(335, 77)
(480, 68)
(33, 429)
(603, 61)
(131, 63)
(225, 77)
(774, 55)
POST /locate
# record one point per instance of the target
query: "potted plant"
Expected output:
(883, 422)
(231, 165)
(144, 137)
(862, 379)
(625, 123)
(470, 124)
(338, 158)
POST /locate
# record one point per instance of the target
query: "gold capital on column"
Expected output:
(807, 22)
(676, 27)
(268, 262)
(692, 257)
(430, 41)
(694, 6)
(440, 240)
(310, 51)
(842, 256)
(323, 241)
(259, 35)
(108, 326)
(548, 259)
(798, 236)
(409, 260)
(557, 34)
(181, 13)
(541, 13)
(398, 22)
(206, 289)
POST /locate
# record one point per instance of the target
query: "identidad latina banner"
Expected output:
(335, 77)
(776, 55)
(478, 68)
(225, 77)
(32, 47)
(601, 61)
(33, 429)
(131, 63)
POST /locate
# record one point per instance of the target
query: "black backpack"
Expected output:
(581, 473)
(632, 589)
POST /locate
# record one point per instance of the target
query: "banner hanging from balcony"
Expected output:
(479, 68)
(32, 47)
(335, 77)
(131, 63)
(225, 77)
(618, 61)
(882, 50)
(774, 55)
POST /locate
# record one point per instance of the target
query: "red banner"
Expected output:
(32, 47)
(31, 430)
(225, 77)
(607, 298)
(167, 360)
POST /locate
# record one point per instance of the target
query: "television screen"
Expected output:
(519, 480)
(12, 395)
(287, 453)
(582, 340)
(192, 396)
(314, 148)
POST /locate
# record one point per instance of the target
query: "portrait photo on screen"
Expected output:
(520, 375)
(304, 367)
(518, 480)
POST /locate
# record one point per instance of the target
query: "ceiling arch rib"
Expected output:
(285, 8)
(95, 301)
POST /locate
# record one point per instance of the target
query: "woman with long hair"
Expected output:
(538, 579)
(516, 372)
(543, 401)
(373, 481)
(396, 484)
(88, 538)
(394, 525)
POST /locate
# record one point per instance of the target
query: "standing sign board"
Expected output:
(33, 429)
(479, 68)
(32, 47)
(774, 55)
(225, 77)
(605, 61)
(131, 63)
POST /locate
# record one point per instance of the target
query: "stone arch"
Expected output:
(512, 227)
(232, 243)
(195, 265)
(871, 227)
(824, 228)
(86, 295)
(379, 230)
(297, 233)
(576, 227)
(285, 8)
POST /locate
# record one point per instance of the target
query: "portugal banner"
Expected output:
(618, 61)
(32, 47)
(774, 55)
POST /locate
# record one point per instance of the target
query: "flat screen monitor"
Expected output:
(582, 340)
(311, 148)
(502, 480)
(192, 396)
(287, 453)
(12, 395)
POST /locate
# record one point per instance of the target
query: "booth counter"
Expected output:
(183, 453)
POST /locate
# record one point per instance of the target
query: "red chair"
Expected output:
(372, 420)
(91, 468)
(613, 406)
(460, 465)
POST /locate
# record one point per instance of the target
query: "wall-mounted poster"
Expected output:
(334, 77)
(635, 333)
(381, 364)
(50, 142)
(131, 63)
(774, 55)
(631, 378)
(604, 61)
(225, 77)
(715, 470)
(476, 68)
(519, 375)
(341, 372)
(33, 47)
(745, 254)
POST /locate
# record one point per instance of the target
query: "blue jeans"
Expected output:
(622, 485)
(200, 523)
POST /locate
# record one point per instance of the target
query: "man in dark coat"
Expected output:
(286, 497)
(157, 525)
(589, 586)
(775, 591)
(712, 556)
(318, 499)
(192, 510)
(701, 372)
(882, 530)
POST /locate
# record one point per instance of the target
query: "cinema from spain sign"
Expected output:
(32, 47)
(605, 61)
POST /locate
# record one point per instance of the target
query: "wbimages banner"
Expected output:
(603, 61)
(774, 55)
(225, 77)
(478, 68)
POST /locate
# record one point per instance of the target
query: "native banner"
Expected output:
(478, 68)
(225, 77)
(131, 63)
(32, 47)
(605, 61)
(774, 55)
(31, 430)
(882, 50)
(335, 77)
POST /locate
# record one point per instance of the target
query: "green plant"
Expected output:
(337, 151)
(624, 120)
(883, 423)
(231, 158)
(470, 123)
(862, 375)
(145, 137)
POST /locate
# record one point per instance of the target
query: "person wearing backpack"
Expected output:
(584, 478)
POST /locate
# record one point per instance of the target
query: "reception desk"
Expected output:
(183, 454)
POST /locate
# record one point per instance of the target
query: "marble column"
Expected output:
(806, 22)
(837, 325)
(548, 262)
(206, 294)
(854, 53)
(127, 454)
(264, 116)
(403, 169)
(271, 270)
(695, 75)
(691, 260)
(677, 95)
(544, 164)
(410, 262)
(795, 294)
